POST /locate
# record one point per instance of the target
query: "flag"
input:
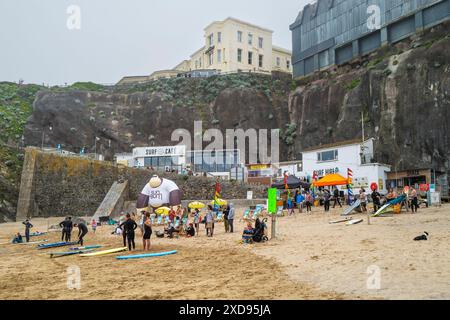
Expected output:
(350, 185)
(217, 194)
(286, 186)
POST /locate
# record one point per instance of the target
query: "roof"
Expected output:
(276, 48)
(241, 22)
(331, 180)
(337, 144)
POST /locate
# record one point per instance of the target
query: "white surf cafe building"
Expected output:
(339, 157)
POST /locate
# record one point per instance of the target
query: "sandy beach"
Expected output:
(310, 259)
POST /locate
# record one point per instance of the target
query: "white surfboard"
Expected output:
(355, 221)
(382, 209)
(340, 221)
(353, 207)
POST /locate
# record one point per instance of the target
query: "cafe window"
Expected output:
(327, 156)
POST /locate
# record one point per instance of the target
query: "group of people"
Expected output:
(324, 197)
(67, 227)
(305, 199)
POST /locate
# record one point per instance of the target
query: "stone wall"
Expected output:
(76, 186)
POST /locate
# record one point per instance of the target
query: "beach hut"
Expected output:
(331, 180)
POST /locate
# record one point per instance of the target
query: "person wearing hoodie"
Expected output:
(231, 215)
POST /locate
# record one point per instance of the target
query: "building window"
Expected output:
(211, 40)
(239, 55)
(250, 39)
(288, 64)
(327, 156)
(278, 61)
(260, 42)
(211, 58)
(219, 56)
(239, 36)
(261, 61)
(219, 37)
(250, 57)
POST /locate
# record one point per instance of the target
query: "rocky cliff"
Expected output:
(402, 92)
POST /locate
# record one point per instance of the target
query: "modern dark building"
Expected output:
(329, 32)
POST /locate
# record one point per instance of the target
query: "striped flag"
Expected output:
(350, 186)
(217, 194)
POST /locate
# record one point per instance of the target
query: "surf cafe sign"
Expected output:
(160, 151)
(325, 172)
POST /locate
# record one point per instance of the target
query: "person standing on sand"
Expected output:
(376, 199)
(363, 199)
(326, 200)
(336, 197)
(69, 229)
(210, 222)
(309, 202)
(231, 216)
(82, 231)
(28, 226)
(94, 225)
(129, 227)
(225, 219)
(63, 226)
(414, 201)
(197, 221)
(147, 232)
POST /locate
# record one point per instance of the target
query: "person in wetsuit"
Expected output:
(128, 228)
(28, 226)
(82, 231)
(147, 231)
(63, 226)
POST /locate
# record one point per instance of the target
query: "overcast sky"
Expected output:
(119, 37)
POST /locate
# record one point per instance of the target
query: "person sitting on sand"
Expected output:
(17, 239)
(247, 236)
(190, 231)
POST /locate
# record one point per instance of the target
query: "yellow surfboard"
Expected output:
(102, 253)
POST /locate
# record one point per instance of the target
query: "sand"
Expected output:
(310, 259)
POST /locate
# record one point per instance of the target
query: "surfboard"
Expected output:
(55, 245)
(85, 248)
(382, 209)
(355, 221)
(38, 234)
(353, 207)
(149, 255)
(103, 253)
(72, 253)
(340, 221)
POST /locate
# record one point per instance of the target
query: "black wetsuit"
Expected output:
(147, 232)
(83, 230)
(28, 226)
(128, 228)
(66, 230)
(69, 229)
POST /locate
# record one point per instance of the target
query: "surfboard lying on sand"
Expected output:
(85, 248)
(355, 221)
(352, 208)
(382, 209)
(341, 221)
(38, 234)
(149, 255)
(103, 253)
(55, 245)
(66, 254)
